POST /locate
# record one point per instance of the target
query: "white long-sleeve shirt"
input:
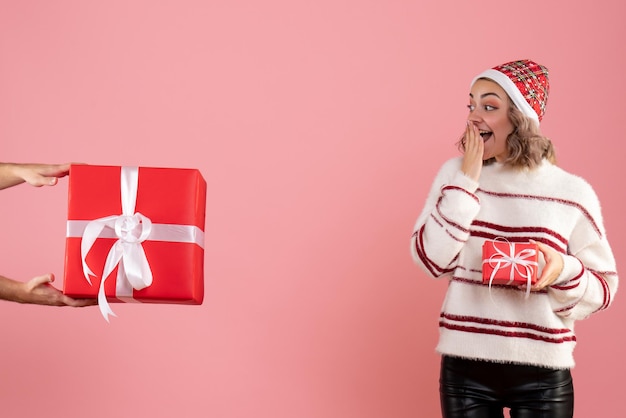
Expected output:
(500, 323)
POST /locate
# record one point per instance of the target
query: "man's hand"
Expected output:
(12, 174)
(39, 291)
(42, 174)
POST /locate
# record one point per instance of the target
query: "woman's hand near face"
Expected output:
(474, 149)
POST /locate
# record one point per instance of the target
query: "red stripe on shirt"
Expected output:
(460, 189)
(514, 334)
(522, 229)
(504, 324)
(548, 199)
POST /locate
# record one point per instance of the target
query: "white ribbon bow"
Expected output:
(520, 263)
(131, 228)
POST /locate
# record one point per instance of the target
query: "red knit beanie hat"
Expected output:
(526, 83)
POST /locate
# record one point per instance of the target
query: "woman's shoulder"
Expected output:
(570, 186)
(567, 178)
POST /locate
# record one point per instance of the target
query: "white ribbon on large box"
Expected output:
(131, 229)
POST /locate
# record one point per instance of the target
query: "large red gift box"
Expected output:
(145, 225)
(509, 263)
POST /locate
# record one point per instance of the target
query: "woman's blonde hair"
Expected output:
(526, 146)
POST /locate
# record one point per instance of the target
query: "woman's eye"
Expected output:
(471, 107)
(489, 107)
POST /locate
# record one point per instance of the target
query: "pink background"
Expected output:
(318, 126)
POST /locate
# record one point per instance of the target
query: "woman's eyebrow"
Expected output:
(482, 96)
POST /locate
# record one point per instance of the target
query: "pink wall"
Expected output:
(318, 126)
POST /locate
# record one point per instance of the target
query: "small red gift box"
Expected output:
(509, 263)
(135, 234)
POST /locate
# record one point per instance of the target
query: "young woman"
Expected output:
(38, 290)
(500, 346)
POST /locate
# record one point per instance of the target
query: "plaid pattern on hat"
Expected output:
(526, 83)
(531, 79)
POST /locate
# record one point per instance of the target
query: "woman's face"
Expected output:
(489, 111)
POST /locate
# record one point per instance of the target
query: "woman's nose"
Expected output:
(474, 116)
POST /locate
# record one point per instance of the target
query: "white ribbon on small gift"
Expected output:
(131, 229)
(519, 263)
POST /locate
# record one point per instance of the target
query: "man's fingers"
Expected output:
(45, 181)
(77, 303)
(39, 280)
